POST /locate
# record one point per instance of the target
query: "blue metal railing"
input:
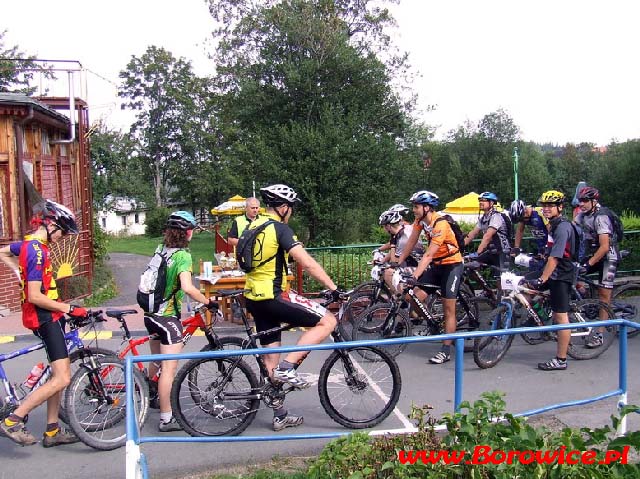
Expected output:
(135, 460)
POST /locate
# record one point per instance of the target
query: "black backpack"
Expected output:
(509, 225)
(245, 248)
(616, 224)
(153, 282)
(457, 231)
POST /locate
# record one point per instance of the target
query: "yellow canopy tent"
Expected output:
(234, 206)
(465, 208)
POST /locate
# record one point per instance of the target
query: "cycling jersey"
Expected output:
(560, 245)
(178, 261)
(594, 225)
(268, 280)
(399, 242)
(440, 233)
(538, 228)
(35, 265)
(493, 219)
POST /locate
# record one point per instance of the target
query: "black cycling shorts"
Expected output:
(52, 335)
(607, 271)
(446, 276)
(560, 296)
(168, 328)
(287, 308)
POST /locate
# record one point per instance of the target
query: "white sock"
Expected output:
(166, 416)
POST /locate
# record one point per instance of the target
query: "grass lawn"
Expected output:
(201, 247)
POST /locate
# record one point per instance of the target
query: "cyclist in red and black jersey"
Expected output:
(43, 313)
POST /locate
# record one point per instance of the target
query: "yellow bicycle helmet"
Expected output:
(552, 196)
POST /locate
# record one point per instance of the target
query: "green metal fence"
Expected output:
(347, 265)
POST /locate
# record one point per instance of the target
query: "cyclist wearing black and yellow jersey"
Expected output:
(441, 264)
(270, 303)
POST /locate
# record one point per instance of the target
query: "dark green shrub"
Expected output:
(155, 221)
(100, 243)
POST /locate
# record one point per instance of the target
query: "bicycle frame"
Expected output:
(73, 342)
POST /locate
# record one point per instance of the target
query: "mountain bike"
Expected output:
(391, 319)
(197, 321)
(362, 297)
(220, 396)
(105, 393)
(489, 350)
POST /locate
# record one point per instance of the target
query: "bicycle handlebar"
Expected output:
(92, 317)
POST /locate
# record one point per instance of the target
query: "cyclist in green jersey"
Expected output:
(166, 322)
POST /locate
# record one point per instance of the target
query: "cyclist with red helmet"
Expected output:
(603, 254)
(559, 272)
(495, 243)
(441, 264)
(43, 313)
(165, 324)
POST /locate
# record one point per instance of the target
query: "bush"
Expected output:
(155, 221)
(100, 243)
(359, 456)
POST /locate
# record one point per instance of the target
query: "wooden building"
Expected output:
(44, 153)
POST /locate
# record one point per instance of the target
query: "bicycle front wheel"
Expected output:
(215, 396)
(359, 394)
(625, 303)
(489, 350)
(358, 303)
(585, 311)
(96, 404)
(381, 322)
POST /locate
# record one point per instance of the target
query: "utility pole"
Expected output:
(515, 171)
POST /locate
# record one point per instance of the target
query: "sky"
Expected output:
(564, 70)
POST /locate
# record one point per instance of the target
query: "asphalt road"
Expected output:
(525, 386)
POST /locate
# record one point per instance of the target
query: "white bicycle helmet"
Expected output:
(400, 208)
(275, 195)
(389, 218)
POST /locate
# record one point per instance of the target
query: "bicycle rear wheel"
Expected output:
(585, 311)
(359, 394)
(380, 322)
(235, 343)
(96, 404)
(625, 304)
(489, 350)
(215, 397)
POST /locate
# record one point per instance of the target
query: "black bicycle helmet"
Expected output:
(61, 216)
(516, 210)
(181, 220)
(389, 218)
(589, 193)
(276, 195)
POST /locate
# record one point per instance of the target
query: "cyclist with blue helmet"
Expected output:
(165, 324)
(441, 264)
(495, 242)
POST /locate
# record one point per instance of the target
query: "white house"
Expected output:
(125, 216)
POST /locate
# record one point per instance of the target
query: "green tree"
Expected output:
(311, 104)
(117, 171)
(175, 134)
(17, 69)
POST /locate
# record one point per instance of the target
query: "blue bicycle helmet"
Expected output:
(425, 197)
(181, 220)
(487, 195)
